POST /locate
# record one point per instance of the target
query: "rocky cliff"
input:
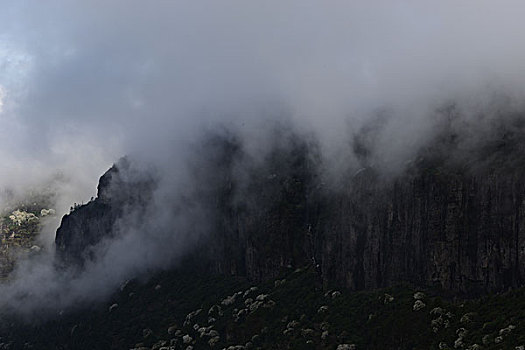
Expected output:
(87, 224)
(457, 223)
(454, 227)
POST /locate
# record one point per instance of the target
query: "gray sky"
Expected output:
(83, 82)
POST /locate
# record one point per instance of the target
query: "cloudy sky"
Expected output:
(85, 82)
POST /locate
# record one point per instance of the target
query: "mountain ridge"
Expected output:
(441, 223)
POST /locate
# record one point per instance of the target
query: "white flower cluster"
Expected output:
(387, 299)
(20, 217)
(419, 304)
(46, 212)
(442, 320)
(346, 347)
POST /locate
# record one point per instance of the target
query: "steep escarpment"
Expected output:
(453, 219)
(86, 225)
(435, 225)
(459, 232)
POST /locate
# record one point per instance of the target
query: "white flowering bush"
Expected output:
(506, 330)
(47, 212)
(419, 295)
(20, 217)
(418, 305)
(388, 299)
(346, 347)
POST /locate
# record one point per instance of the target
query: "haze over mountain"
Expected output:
(84, 83)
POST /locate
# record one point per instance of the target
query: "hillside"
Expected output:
(182, 310)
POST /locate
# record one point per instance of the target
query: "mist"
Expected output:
(84, 83)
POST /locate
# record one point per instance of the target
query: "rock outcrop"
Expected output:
(119, 189)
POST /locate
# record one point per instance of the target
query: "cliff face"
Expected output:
(459, 229)
(462, 233)
(86, 225)
(456, 230)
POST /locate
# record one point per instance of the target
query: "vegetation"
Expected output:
(20, 223)
(294, 313)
